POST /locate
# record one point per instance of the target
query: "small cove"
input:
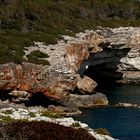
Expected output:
(122, 123)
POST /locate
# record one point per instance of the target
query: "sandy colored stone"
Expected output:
(86, 85)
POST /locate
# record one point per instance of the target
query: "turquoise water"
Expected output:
(122, 123)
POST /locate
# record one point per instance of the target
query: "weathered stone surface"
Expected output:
(76, 54)
(33, 79)
(86, 85)
(25, 80)
(22, 94)
(113, 50)
(19, 96)
(89, 100)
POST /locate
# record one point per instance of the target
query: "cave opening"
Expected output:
(103, 67)
(103, 75)
(4, 95)
(38, 99)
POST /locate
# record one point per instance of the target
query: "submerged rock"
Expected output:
(127, 105)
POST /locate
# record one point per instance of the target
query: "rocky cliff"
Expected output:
(102, 55)
(112, 54)
(116, 57)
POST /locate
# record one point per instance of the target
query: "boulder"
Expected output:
(19, 96)
(22, 94)
(86, 85)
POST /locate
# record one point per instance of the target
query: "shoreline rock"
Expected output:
(20, 83)
(127, 105)
(88, 101)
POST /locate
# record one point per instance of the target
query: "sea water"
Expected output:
(122, 123)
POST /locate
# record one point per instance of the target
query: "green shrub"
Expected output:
(31, 114)
(50, 114)
(6, 119)
(38, 54)
(102, 131)
(76, 124)
(7, 112)
(33, 59)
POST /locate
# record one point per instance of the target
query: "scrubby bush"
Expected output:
(102, 131)
(22, 22)
(37, 58)
(39, 54)
(41, 131)
(76, 124)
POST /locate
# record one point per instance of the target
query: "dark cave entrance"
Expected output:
(38, 99)
(103, 66)
(4, 95)
(103, 75)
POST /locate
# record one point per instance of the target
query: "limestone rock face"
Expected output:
(86, 84)
(30, 79)
(26, 79)
(114, 50)
(76, 54)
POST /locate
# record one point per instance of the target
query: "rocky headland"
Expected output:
(77, 65)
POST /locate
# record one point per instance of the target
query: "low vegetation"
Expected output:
(50, 114)
(41, 131)
(76, 124)
(25, 21)
(102, 131)
(31, 114)
(37, 58)
(6, 119)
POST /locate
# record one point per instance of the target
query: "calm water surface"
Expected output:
(122, 123)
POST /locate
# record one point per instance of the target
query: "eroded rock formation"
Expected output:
(33, 79)
(102, 55)
(113, 54)
(26, 80)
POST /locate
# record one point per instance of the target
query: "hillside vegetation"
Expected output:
(23, 130)
(25, 21)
